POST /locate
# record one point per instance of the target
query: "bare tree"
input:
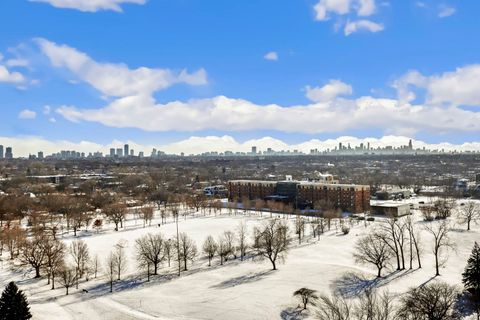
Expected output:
(168, 250)
(32, 252)
(119, 258)
(306, 296)
(96, 265)
(390, 235)
(67, 276)
(81, 255)
(229, 237)
(374, 306)
(414, 239)
(188, 249)
(299, 227)
(223, 249)
(373, 250)
(469, 213)
(272, 240)
(433, 301)
(210, 249)
(150, 251)
(55, 255)
(110, 264)
(440, 233)
(146, 212)
(333, 308)
(242, 239)
(115, 213)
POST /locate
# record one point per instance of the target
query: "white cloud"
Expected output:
(10, 77)
(27, 114)
(226, 114)
(353, 9)
(446, 11)
(420, 4)
(23, 146)
(47, 109)
(17, 63)
(91, 5)
(272, 56)
(325, 8)
(328, 92)
(117, 80)
(459, 87)
(362, 25)
(366, 7)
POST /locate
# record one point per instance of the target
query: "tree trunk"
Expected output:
(273, 264)
(53, 281)
(37, 272)
(67, 291)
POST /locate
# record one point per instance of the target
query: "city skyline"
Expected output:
(265, 146)
(365, 69)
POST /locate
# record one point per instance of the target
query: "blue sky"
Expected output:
(393, 49)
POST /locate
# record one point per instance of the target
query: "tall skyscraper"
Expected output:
(1, 152)
(112, 152)
(254, 150)
(8, 153)
(126, 151)
(40, 155)
(119, 152)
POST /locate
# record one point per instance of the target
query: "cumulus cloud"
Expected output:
(227, 114)
(91, 5)
(325, 8)
(459, 87)
(272, 56)
(362, 25)
(23, 146)
(27, 114)
(328, 92)
(10, 76)
(116, 80)
(446, 11)
(354, 9)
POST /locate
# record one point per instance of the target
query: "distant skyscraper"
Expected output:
(132, 152)
(126, 151)
(154, 153)
(40, 155)
(112, 152)
(254, 150)
(119, 152)
(141, 154)
(410, 145)
(1, 152)
(8, 153)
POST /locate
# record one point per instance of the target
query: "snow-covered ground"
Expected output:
(237, 290)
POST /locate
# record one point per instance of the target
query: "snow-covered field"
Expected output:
(237, 290)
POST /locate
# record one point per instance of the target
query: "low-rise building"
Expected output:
(390, 209)
(303, 194)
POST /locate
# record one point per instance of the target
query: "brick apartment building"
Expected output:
(302, 194)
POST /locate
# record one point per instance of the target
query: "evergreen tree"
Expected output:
(471, 278)
(13, 304)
